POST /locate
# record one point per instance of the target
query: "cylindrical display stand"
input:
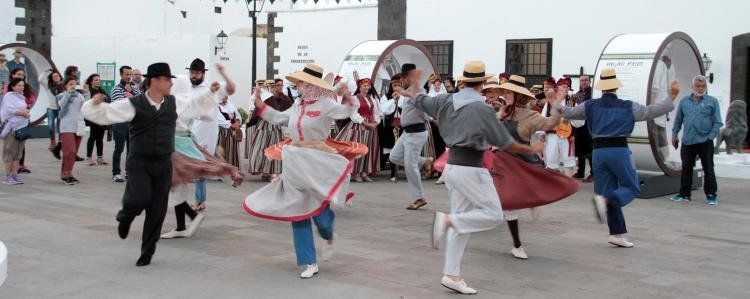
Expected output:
(647, 64)
(379, 60)
(36, 63)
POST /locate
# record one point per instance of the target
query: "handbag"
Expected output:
(22, 134)
(80, 128)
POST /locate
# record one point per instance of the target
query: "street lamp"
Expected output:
(707, 65)
(221, 39)
(253, 12)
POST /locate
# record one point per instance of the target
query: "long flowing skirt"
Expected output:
(265, 135)
(190, 162)
(370, 163)
(310, 180)
(521, 184)
(229, 147)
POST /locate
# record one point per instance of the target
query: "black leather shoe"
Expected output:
(79, 159)
(144, 260)
(56, 151)
(122, 229)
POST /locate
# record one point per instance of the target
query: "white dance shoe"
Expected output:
(519, 253)
(600, 208)
(458, 286)
(174, 234)
(195, 224)
(309, 271)
(620, 242)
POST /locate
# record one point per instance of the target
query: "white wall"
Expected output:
(579, 29)
(329, 34)
(157, 33)
(8, 28)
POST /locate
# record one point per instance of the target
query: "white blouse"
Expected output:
(308, 121)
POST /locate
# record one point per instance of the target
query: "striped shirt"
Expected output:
(119, 93)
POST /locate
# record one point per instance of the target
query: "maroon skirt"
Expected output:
(522, 185)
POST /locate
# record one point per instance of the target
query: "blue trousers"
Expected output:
(200, 190)
(615, 179)
(52, 115)
(304, 245)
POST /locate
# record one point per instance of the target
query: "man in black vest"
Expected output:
(153, 118)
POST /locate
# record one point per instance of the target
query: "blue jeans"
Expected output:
(304, 245)
(200, 190)
(615, 179)
(52, 115)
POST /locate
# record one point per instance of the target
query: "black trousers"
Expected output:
(705, 151)
(147, 189)
(120, 134)
(96, 137)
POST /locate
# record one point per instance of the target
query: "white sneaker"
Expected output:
(438, 229)
(310, 270)
(194, 225)
(600, 208)
(458, 286)
(620, 242)
(327, 250)
(174, 234)
(519, 253)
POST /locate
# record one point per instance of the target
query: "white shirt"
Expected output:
(206, 129)
(188, 108)
(230, 109)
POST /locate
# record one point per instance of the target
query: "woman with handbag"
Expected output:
(72, 127)
(96, 136)
(14, 117)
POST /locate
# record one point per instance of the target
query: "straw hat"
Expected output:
(269, 82)
(492, 83)
(474, 71)
(517, 84)
(608, 80)
(311, 74)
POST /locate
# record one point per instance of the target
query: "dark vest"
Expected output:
(152, 131)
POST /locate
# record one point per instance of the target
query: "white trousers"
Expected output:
(407, 152)
(557, 151)
(475, 207)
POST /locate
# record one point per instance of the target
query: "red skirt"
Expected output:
(350, 150)
(522, 185)
(519, 184)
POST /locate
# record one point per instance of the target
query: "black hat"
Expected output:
(157, 70)
(197, 65)
(407, 67)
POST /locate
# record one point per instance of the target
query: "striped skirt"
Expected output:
(228, 147)
(429, 147)
(370, 163)
(265, 134)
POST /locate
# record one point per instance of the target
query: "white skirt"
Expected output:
(310, 180)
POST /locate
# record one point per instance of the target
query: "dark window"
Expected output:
(442, 51)
(531, 58)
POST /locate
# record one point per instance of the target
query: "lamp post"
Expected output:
(221, 39)
(254, 16)
(706, 66)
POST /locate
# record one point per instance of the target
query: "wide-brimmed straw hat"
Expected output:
(517, 84)
(474, 71)
(608, 80)
(492, 83)
(311, 74)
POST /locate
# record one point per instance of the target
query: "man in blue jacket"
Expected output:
(610, 121)
(700, 116)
